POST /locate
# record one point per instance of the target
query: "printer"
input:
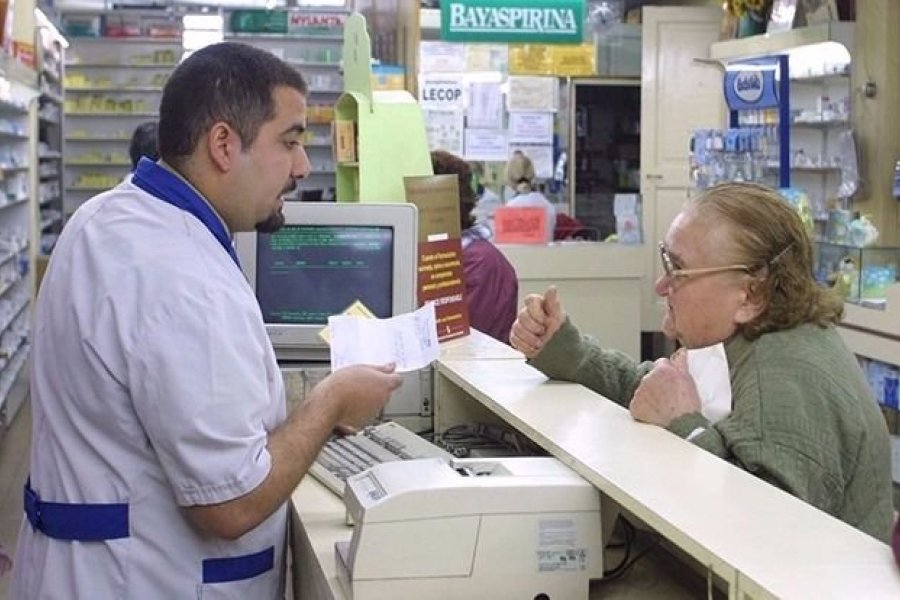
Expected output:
(521, 527)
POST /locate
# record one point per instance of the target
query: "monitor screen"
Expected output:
(326, 257)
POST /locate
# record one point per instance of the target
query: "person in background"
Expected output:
(143, 143)
(520, 176)
(737, 270)
(162, 457)
(492, 287)
(486, 199)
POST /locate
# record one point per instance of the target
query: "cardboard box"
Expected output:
(344, 141)
(40, 266)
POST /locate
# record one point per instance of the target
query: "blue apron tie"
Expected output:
(70, 521)
(99, 522)
(168, 187)
(236, 568)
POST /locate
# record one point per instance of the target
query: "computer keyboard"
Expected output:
(344, 456)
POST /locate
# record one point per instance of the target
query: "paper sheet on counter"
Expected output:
(409, 340)
(709, 368)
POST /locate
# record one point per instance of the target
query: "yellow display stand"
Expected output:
(390, 131)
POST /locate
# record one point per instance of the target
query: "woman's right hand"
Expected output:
(538, 320)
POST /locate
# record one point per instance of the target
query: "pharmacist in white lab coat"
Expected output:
(162, 457)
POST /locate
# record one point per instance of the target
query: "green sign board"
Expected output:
(517, 21)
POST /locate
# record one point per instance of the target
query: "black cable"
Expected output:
(623, 567)
(641, 555)
(460, 440)
(628, 535)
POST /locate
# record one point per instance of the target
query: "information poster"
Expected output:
(442, 57)
(537, 94)
(485, 109)
(487, 144)
(530, 59)
(440, 275)
(487, 57)
(576, 60)
(442, 92)
(444, 130)
(531, 128)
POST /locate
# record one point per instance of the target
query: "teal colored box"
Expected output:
(259, 21)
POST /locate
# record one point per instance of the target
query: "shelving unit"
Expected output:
(50, 186)
(316, 53)
(19, 228)
(112, 85)
(820, 116)
(818, 101)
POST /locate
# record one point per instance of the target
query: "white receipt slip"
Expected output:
(409, 340)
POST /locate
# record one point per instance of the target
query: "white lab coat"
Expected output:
(153, 383)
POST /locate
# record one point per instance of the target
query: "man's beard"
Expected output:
(273, 223)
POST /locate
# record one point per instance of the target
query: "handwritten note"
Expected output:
(409, 340)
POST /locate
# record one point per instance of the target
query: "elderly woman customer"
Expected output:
(737, 269)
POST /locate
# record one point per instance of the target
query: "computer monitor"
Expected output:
(325, 257)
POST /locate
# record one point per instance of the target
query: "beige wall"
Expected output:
(876, 59)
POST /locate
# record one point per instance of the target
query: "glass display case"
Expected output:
(862, 275)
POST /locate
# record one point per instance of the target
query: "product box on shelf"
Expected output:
(344, 144)
(259, 21)
(861, 275)
(82, 25)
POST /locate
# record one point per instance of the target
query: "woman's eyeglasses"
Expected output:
(673, 273)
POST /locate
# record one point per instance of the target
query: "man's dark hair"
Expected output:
(227, 82)
(143, 143)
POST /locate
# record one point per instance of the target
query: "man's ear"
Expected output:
(223, 144)
(753, 303)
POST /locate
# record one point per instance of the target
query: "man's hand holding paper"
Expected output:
(409, 341)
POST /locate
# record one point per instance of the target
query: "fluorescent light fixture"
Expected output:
(200, 31)
(203, 22)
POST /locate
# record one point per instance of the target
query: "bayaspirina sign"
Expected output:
(551, 21)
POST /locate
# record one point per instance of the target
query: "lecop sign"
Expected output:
(521, 21)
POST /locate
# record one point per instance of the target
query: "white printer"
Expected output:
(523, 527)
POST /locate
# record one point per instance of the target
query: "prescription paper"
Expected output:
(409, 340)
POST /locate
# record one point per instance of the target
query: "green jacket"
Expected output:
(802, 418)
